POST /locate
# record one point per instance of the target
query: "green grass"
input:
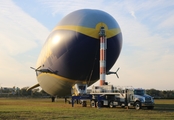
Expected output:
(28, 109)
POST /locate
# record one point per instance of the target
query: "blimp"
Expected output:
(72, 51)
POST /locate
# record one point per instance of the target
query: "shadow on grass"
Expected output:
(164, 107)
(160, 107)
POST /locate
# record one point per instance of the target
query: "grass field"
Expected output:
(28, 109)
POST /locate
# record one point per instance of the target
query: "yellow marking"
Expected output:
(62, 78)
(94, 33)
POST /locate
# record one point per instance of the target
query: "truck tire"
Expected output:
(93, 103)
(98, 104)
(137, 105)
(111, 104)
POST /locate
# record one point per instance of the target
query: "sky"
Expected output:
(147, 56)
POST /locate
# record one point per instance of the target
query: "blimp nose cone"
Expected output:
(72, 48)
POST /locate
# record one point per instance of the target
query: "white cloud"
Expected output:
(19, 34)
(133, 14)
(65, 7)
(168, 22)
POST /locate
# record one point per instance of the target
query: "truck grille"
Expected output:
(148, 99)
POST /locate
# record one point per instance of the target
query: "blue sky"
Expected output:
(147, 56)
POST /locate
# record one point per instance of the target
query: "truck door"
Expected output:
(130, 95)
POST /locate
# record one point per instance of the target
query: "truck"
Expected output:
(113, 96)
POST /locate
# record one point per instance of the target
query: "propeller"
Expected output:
(116, 73)
(110, 72)
(35, 68)
(43, 70)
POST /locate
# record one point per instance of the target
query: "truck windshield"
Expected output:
(139, 92)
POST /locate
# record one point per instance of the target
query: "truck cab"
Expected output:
(138, 98)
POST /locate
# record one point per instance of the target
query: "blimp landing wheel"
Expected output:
(84, 104)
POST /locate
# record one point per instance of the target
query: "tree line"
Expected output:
(23, 92)
(161, 94)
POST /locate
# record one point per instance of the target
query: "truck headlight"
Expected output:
(141, 99)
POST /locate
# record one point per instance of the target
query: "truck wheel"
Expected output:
(150, 107)
(98, 104)
(137, 105)
(111, 105)
(93, 103)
